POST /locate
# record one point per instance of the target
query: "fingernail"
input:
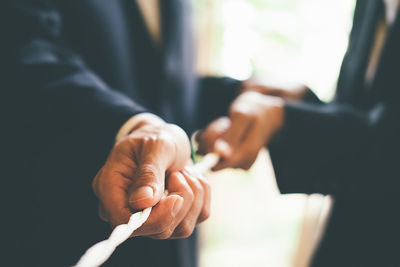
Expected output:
(176, 206)
(223, 147)
(140, 194)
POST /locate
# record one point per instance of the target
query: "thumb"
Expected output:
(148, 188)
(167, 149)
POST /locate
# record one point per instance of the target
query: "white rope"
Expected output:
(102, 251)
(206, 163)
(99, 253)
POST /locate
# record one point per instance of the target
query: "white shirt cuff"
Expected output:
(193, 141)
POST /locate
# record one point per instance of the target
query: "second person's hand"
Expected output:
(254, 118)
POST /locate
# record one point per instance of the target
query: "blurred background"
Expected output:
(279, 42)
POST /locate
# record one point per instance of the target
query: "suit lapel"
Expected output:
(352, 75)
(373, 14)
(388, 66)
(179, 81)
(170, 17)
(142, 24)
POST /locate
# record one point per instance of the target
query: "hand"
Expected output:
(254, 119)
(215, 130)
(293, 92)
(133, 178)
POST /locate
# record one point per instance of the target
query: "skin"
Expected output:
(254, 119)
(294, 93)
(152, 158)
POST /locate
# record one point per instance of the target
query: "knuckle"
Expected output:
(206, 186)
(186, 229)
(237, 113)
(197, 188)
(165, 235)
(188, 195)
(147, 170)
(250, 151)
(151, 138)
(205, 214)
(259, 117)
(164, 226)
(248, 163)
(246, 166)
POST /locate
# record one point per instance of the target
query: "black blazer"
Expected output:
(349, 148)
(72, 72)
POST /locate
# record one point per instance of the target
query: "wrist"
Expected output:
(136, 122)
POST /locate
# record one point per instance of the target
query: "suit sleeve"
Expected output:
(216, 95)
(49, 87)
(334, 149)
(311, 97)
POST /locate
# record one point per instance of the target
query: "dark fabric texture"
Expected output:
(72, 72)
(349, 148)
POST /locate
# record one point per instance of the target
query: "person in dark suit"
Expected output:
(347, 148)
(76, 74)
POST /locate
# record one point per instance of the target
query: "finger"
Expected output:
(247, 162)
(237, 154)
(187, 225)
(205, 211)
(162, 217)
(251, 147)
(227, 144)
(213, 131)
(167, 150)
(177, 185)
(147, 186)
(243, 159)
(248, 150)
(114, 199)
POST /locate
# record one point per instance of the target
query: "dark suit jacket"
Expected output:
(349, 148)
(72, 72)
